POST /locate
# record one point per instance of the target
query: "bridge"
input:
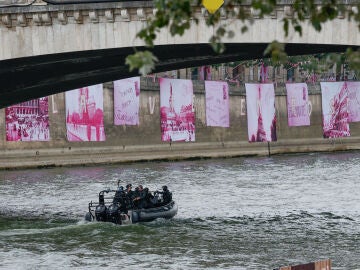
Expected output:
(47, 49)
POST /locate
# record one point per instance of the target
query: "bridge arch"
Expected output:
(32, 77)
(53, 48)
(50, 29)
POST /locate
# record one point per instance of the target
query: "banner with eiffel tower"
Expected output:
(84, 114)
(260, 103)
(177, 115)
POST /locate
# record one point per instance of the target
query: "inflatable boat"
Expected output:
(118, 207)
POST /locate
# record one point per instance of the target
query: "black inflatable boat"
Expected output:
(118, 207)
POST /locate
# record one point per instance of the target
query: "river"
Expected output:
(238, 213)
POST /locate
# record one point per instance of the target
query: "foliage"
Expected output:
(144, 61)
(176, 17)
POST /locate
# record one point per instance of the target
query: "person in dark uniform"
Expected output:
(148, 198)
(139, 197)
(128, 191)
(130, 195)
(136, 192)
(167, 195)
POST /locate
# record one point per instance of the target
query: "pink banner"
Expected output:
(201, 71)
(354, 101)
(217, 104)
(176, 110)
(28, 121)
(126, 101)
(260, 103)
(208, 72)
(84, 114)
(263, 73)
(298, 104)
(335, 109)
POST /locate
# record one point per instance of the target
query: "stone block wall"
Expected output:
(148, 132)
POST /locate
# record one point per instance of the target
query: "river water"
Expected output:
(238, 213)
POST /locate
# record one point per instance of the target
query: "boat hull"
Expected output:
(167, 211)
(134, 215)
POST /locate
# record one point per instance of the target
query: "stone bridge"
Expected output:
(48, 48)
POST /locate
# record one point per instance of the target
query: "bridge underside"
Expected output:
(27, 78)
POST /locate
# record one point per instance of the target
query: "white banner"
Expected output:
(126, 101)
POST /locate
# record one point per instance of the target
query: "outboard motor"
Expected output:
(88, 216)
(100, 210)
(114, 214)
(101, 198)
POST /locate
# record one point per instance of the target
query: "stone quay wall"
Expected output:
(143, 142)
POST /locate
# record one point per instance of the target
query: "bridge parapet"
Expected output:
(30, 12)
(37, 15)
(40, 29)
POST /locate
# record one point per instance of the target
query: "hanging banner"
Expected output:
(28, 121)
(335, 109)
(201, 72)
(217, 104)
(298, 104)
(263, 73)
(354, 101)
(126, 101)
(260, 103)
(84, 114)
(176, 110)
(208, 72)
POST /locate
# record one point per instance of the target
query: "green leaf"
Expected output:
(217, 46)
(277, 52)
(244, 29)
(316, 24)
(231, 34)
(220, 31)
(298, 29)
(286, 26)
(144, 61)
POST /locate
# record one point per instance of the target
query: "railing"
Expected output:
(151, 82)
(245, 3)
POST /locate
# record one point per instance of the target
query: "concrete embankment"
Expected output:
(79, 156)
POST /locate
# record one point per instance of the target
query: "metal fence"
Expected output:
(151, 82)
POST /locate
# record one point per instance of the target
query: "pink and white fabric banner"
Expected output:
(28, 121)
(217, 104)
(354, 101)
(260, 103)
(298, 104)
(84, 114)
(208, 72)
(263, 73)
(335, 109)
(201, 72)
(126, 101)
(176, 110)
